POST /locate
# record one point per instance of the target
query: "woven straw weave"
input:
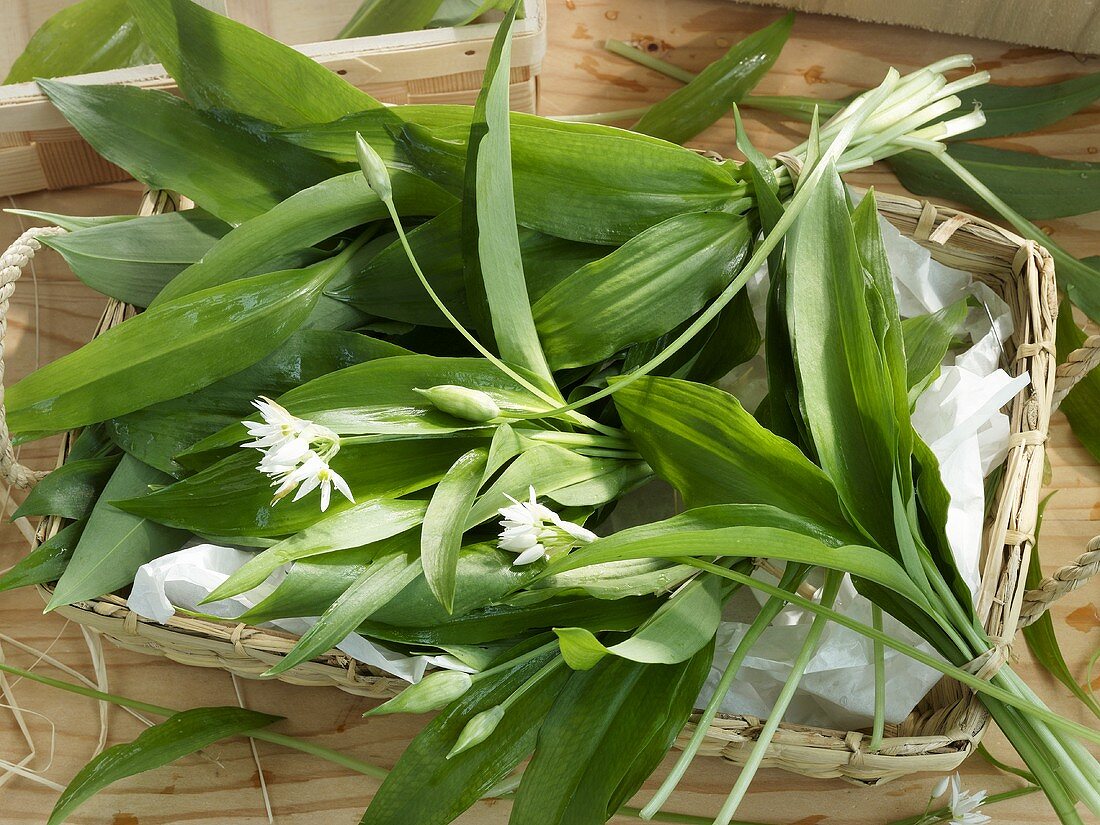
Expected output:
(948, 723)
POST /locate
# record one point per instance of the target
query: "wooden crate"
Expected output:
(38, 150)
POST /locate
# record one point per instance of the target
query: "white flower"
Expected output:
(533, 531)
(312, 473)
(964, 805)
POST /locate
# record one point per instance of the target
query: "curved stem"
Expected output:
(880, 684)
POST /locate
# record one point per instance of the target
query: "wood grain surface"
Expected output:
(827, 57)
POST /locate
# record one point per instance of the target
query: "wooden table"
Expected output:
(827, 57)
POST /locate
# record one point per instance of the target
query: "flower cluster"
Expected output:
(534, 531)
(296, 453)
(963, 808)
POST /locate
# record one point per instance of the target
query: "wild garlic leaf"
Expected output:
(378, 584)
(1010, 110)
(607, 731)
(219, 160)
(46, 562)
(427, 788)
(165, 352)
(89, 36)
(232, 498)
(927, 340)
(305, 218)
(445, 522)
(1038, 187)
(388, 16)
(691, 109)
(643, 289)
(703, 442)
(1082, 405)
(222, 64)
(114, 544)
(682, 626)
(181, 734)
(133, 260)
(72, 222)
(71, 490)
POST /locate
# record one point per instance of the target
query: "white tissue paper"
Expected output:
(959, 418)
(186, 577)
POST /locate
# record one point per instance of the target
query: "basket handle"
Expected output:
(1077, 365)
(1062, 581)
(12, 264)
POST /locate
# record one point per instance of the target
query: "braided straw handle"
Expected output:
(12, 264)
(1077, 365)
(1063, 581)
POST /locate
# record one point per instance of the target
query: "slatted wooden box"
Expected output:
(39, 150)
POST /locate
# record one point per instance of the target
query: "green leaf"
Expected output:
(388, 16)
(177, 736)
(1082, 404)
(70, 490)
(46, 562)
(221, 161)
(703, 442)
(1010, 110)
(378, 584)
(168, 351)
(305, 218)
(361, 525)
(222, 64)
(427, 788)
(133, 260)
(643, 289)
(232, 498)
(71, 222)
(927, 340)
(607, 731)
(842, 372)
(445, 522)
(89, 36)
(682, 626)
(691, 109)
(1037, 187)
(114, 544)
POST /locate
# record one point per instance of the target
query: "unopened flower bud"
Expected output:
(478, 729)
(463, 402)
(374, 168)
(434, 691)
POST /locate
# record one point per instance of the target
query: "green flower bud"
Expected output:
(478, 729)
(374, 169)
(434, 691)
(463, 402)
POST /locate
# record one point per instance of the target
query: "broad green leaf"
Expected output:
(133, 260)
(232, 498)
(159, 432)
(46, 562)
(71, 222)
(927, 340)
(388, 16)
(378, 584)
(307, 217)
(1038, 187)
(445, 522)
(1010, 110)
(643, 289)
(681, 627)
(606, 483)
(361, 525)
(703, 442)
(426, 788)
(843, 376)
(1082, 404)
(177, 736)
(219, 160)
(89, 36)
(114, 544)
(691, 109)
(176, 348)
(607, 731)
(222, 64)
(70, 490)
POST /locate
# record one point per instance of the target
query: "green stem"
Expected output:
(649, 61)
(517, 661)
(535, 678)
(984, 753)
(145, 707)
(604, 117)
(880, 684)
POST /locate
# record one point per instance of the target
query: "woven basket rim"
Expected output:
(947, 724)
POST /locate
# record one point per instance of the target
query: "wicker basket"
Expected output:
(39, 150)
(946, 725)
